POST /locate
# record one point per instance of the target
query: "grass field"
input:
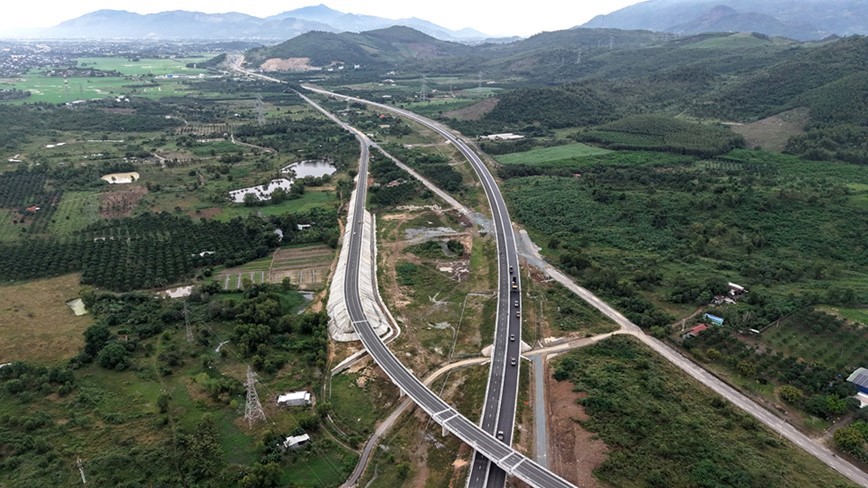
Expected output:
(309, 200)
(145, 66)
(328, 465)
(77, 210)
(35, 323)
(357, 409)
(855, 314)
(551, 154)
(8, 230)
(54, 90)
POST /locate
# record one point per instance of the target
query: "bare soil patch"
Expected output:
(208, 213)
(772, 133)
(287, 64)
(37, 325)
(475, 111)
(574, 453)
(120, 203)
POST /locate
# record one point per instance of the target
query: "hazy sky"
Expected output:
(491, 17)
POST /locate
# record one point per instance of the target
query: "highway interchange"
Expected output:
(498, 451)
(532, 472)
(498, 413)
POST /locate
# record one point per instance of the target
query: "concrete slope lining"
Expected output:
(502, 455)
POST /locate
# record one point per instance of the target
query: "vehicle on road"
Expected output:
(516, 304)
(511, 337)
(500, 434)
(512, 361)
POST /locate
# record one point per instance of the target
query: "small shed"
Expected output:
(296, 441)
(294, 399)
(696, 330)
(714, 319)
(860, 379)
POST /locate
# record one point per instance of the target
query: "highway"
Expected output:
(498, 413)
(525, 469)
(505, 458)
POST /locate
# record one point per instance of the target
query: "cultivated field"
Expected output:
(551, 154)
(306, 267)
(77, 210)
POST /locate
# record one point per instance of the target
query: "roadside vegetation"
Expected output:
(139, 393)
(662, 429)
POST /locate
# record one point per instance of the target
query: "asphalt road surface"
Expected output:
(498, 413)
(505, 458)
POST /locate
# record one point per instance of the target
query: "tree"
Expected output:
(95, 338)
(791, 394)
(113, 356)
(746, 368)
(163, 402)
(849, 439)
(250, 200)
(279, 195)
(261, 476)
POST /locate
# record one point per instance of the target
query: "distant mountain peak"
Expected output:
(718, 13)
(798, 19)
(182, 24)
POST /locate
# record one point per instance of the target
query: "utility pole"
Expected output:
(423, 92)
(479, 80)
(253, 409)
(187, 324)
(611, 42)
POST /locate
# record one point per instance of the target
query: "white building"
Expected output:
(507, 136)
(294, 399)
(296, 441)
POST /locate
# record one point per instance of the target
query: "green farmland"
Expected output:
(551, 154)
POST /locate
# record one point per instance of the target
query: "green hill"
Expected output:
(373, 48)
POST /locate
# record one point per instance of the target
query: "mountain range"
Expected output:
(802, 20)
(181, 24)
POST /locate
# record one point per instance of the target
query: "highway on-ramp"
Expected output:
(503, 456)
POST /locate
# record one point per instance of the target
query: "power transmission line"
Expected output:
(260, 111)
(187, 324)
(253, 409)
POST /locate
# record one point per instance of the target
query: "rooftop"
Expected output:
(859, 377)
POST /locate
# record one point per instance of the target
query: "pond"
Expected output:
(316, 168)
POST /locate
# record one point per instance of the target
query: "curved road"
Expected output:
(482, 441)
(498, 413)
